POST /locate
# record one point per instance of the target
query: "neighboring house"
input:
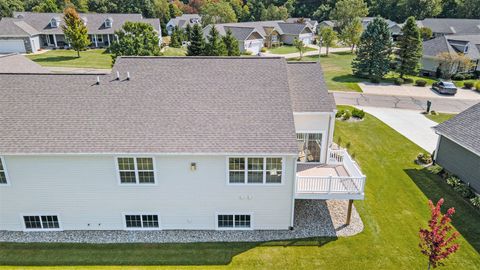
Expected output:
(445, 26)
(395, 28)
(17, 63)
(252, 36)
(458, 147)
(313, 24)
(28, 32)
(469, 45)
(183, 21)
(217, 148)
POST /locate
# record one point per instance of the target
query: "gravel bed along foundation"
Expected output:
(313, 218)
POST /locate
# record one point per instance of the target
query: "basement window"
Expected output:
(41, 222)
(141, 221)
(234, 221)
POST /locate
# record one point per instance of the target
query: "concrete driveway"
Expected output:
(411, 124)
(415, 91)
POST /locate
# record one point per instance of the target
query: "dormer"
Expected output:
(55, 22)
(85, 21)
(194, 20)
(108, 22)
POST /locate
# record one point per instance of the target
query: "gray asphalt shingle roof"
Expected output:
(463, 128)
(95, 21)
(170, 105)
(453, 44)
(308, 88)
(451, 26)
(11, 27)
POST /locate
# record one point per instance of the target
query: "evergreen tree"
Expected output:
(176, 38)
(409, 49)
(75, 31)
(188, 32)
(374, 50)
(197, 42)
(231, 44)
(215, 45)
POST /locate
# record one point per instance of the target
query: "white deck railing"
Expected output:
(354, 183)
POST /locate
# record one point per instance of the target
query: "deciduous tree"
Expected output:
(135, 38)
(374, 50)
(451, 63)
(346, 11)
(75, 31)
(300, 46)
(350, 34)
(327, 37)
(231, 44)
(409, 49)
(426, 33)
(46, 6)
(7, 7)
(217, 12)
(437, 240)
(197, 42)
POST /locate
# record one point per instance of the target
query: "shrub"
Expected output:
(360, 114)
(421, 83)
(347, 115)
(408, 80)
(477, 86)
(432, 112)
(468, 85)
(435, 169)
(464, 190)
(458, 77)
(375, 80)
(263, 49)
(339, 113)
(247, 53)
(476, 201)
(469, 76)
(424, 158)
(398, 81)
(453, 181)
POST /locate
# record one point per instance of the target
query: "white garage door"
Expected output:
(12, 45)
(254, 46)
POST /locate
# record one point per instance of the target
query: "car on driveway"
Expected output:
(447, 88)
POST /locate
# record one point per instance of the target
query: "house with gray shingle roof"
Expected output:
(448, 26)
(182, 22)
(458, 147)
(31, 31)
(469, 45)
(252, 36)
(394, 27)
(170, 143)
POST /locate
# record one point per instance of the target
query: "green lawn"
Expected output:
(97, 58)
(440, 117)
(337, 70)
(170, 51)
(394, 209)
(286, 49)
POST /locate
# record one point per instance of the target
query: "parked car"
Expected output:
(447, 88)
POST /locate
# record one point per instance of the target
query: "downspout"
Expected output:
(294, 189)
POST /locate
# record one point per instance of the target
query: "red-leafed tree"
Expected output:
(437, 241)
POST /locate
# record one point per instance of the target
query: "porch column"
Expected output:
(96, 41)
(55, 40)
(108, 38)
(349, 212)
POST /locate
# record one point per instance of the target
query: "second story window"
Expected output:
(3, 173)
(136, 170)
(255, 170)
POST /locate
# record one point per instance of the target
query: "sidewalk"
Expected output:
(309, 53)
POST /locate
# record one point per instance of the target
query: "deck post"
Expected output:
(349, 211)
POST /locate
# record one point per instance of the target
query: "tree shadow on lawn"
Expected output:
(347, 78)
(466, 218)
(56, 59)
(65, 254)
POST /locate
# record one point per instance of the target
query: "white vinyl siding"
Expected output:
(255, 170)
(139, 170)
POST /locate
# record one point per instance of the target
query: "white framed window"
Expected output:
(41, 222)
(234, 221)
(136, 170)
(108, 23)
(54, 22)
(255, 170)
(3, 173)
(142, 221)
(310, 146)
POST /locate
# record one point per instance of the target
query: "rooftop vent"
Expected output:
(98, 80)
(128, 76)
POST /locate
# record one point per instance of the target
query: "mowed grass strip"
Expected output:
(96, 58)
(394, 209)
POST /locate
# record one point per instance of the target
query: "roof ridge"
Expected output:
(200, 57)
